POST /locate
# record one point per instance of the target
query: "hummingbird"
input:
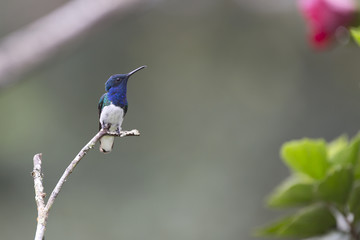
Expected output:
(113, 106)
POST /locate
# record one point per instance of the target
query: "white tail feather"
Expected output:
(106, 144)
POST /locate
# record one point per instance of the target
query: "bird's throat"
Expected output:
(117, 95)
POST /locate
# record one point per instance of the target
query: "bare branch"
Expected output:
(43, 210)
(26, 48)
(133, 132)
(79, 156)
(39, 197)
(38, 185)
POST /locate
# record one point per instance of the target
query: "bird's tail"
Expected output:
(106, 144)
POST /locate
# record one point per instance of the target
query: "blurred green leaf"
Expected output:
(337, 185)
(348, 154)
(273, 229)
(337, 145)
(292, 192)
(306, 156)
(356, 143)
(355, 33)
(311, 221)
(354, 200)
(357, 171)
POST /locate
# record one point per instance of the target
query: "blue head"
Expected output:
(116, 85)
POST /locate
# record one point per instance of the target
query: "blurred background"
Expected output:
(227, 83)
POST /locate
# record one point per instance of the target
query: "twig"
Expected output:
(344, 221)
(42, 208)
(352, 228)
(39, 194)
(26, 48)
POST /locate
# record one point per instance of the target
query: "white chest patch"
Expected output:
(112, 115)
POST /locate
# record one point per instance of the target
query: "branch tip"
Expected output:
(133, 132)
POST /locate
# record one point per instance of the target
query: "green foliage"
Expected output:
(303, 223)
(354, 201)
(344, 154)
(293, 192)
(336, 146)
(325, 176)
(307, 157)
(355, 33)
(335, 188)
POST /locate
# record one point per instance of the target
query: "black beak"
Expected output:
(134, 71)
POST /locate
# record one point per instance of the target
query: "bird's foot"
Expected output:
(106, 126)
(116, 132)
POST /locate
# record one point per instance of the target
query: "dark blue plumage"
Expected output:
(117, 85)
(113, 106)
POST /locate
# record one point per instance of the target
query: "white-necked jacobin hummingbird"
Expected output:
(113, 106)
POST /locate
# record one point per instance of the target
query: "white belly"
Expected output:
(113, 116)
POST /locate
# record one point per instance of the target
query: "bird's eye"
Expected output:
(117, 79)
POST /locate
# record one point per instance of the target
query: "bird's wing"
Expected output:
(125, 109)
(100, 106)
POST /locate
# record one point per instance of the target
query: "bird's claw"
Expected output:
(106, 126)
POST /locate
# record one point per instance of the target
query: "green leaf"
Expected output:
(354, 201)
(337, 145)
(356, 155)
(355, 33)
(348, 154)
(274, 228)
(311, 221)
(337, 185)
(292, 192)
(306, 156)
(357, 172)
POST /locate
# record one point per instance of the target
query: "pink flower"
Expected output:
(324, 17)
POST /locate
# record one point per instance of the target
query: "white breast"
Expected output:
(112, 115)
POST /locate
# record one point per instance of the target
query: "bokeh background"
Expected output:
(227, 83)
